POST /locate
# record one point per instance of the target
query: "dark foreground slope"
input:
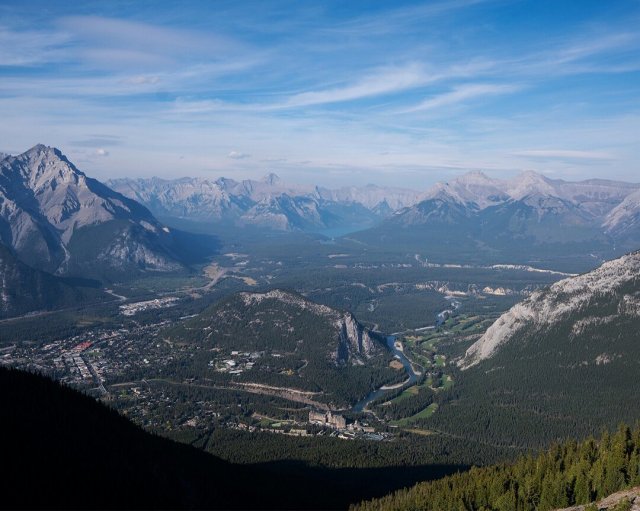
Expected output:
(64, 450)
(61, 449)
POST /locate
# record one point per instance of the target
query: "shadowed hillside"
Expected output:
(66, 450)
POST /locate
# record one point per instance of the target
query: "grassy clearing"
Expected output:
(421, 432)
(424, 414)
(447, 382)
(411, 391)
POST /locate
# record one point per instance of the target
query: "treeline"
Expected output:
(567, 474)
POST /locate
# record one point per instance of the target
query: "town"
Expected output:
(129, 367)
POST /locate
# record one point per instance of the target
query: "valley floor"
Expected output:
(214, 400)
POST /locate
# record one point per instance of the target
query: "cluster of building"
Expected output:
(237, 363)
(131, 309)
(90, 359)
(327, 419)
(345, 431)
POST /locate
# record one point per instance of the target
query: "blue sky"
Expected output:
(401, 93)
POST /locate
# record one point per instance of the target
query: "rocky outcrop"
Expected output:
(630, 499)
(356, 344)
(289, 298)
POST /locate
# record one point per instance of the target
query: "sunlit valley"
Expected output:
(400, 320)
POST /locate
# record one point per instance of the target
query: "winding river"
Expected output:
(398, 354)
(391, 344)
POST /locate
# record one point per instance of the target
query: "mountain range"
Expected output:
(529, 217)
(593, 206)
(55, 219)
(266, 203)
(49, 208)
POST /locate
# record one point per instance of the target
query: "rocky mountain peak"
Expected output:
(43, 152)
(272, 179)
(45, 200)
(43, 166)
(475, 177)
(528, 183)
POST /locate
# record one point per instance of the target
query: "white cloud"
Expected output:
(382, 82)
(563, 154)
(595, 46)
(237, 155)
(461, 94)
(386, 80)
(142, 80)
(101, 152)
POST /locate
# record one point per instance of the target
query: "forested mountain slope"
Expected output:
(562, 363)
(80, 454)
(24, 289)
(292, 343)
(567, 474)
